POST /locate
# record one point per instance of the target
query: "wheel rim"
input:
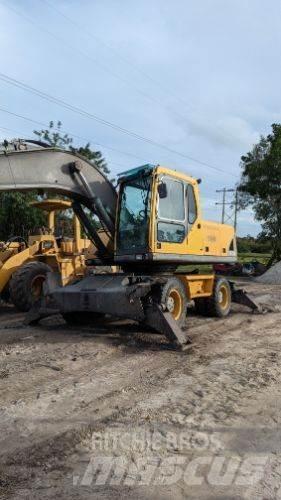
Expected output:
(174, 304)
(223, 297)
(37, 285)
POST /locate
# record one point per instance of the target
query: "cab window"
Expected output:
(170, 233)
(191, 202)
(171, 227)
(172, 206)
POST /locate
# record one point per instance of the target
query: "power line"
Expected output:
(87, 139)
(69, 107)
(22, 134)
(71, 134)
(82, 28)
(10, 130)
(72, 47)
(102, 66)
(117, 76)
(97, 63)
(43, 95)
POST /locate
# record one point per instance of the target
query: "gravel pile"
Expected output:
(272, 276)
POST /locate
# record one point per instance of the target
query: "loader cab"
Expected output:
(157, 208)
(65, 235)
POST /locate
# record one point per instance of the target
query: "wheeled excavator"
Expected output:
(148, 226)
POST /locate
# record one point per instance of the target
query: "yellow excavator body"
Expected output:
(149, 226)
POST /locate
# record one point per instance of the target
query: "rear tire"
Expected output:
(173, 296)
(26, 284)
(219, 304)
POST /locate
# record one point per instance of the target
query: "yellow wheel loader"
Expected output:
(24, 264)
(149, 225)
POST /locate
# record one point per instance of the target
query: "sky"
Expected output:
(188, 84)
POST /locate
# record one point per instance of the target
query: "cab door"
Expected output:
(171, 220)
(194, 243)
(177, 231)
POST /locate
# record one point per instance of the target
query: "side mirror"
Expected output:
(162, 190)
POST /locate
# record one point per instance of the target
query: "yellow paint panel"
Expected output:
(203, 238)
(197, 285)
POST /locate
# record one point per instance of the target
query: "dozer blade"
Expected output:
(38, 312)
(240, 296)
(163, 322)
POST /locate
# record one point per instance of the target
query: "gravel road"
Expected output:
(110, 411)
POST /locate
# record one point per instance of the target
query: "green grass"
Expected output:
(263, 258)
(248, 257)
(203, 268)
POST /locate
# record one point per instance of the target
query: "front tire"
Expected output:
(173, 296)
(26, 284)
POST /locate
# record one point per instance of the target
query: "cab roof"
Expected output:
(149, 167)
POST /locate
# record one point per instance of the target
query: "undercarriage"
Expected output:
(156, 301)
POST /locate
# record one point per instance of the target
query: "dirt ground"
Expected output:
(108, 411)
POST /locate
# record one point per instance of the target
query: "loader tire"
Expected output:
(219, 303)
(26, 284)
(173, 296)
(82, 318)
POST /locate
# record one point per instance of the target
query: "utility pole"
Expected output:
(235, 209)
(227, 215)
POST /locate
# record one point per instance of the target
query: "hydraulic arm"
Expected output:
(65, 173)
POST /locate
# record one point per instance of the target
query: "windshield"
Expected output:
(134, 214)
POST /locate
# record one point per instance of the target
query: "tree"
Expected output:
(249, 244)
(17, 217)
(260, 186)
(95, 157)
(54, 137)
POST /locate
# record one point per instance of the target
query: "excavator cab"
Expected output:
(159, 221)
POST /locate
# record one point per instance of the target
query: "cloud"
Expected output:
(199, 77)
(227, 131)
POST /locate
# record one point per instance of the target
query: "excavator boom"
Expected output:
(56, 170)
(64, 173)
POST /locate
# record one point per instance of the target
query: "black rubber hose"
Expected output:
(90, 229)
